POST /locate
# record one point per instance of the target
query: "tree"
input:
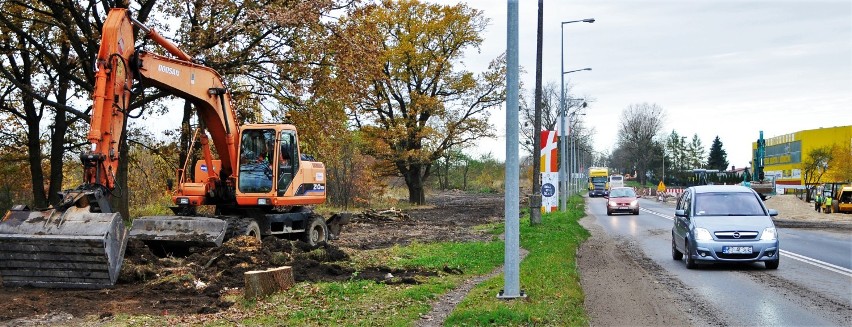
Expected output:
(48, 47)
(718, 158)
(419, 104)
(815, 166)
(695, 151)
(841, 162)
(640, 125)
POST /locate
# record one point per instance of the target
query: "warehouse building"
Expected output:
(785, 154)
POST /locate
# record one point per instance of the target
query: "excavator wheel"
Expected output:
(316, 231)
(243, 227)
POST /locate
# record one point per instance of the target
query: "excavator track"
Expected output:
(74, 248)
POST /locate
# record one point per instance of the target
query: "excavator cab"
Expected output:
(272, 172)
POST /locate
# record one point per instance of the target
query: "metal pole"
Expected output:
(511, 267)
(573, 153)
(535, 198)
(563, 191)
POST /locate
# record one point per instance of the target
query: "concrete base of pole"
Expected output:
(502, 296)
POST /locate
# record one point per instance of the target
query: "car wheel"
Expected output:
(676, 255)
(636, 212)
(609, 213)
(690, 262)
(772, 264)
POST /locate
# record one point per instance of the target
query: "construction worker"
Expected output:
(826, 206)
(817, 202)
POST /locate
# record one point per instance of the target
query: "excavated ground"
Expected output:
(197, 283)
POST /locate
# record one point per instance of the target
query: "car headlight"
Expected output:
(611, 203)
(768, 234)
(634, 203)
(702, 234)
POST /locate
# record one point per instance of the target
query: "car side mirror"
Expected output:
(680, 213)
(772, 212)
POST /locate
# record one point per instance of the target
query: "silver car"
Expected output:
(724, 223)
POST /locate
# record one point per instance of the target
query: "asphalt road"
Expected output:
(812, 286)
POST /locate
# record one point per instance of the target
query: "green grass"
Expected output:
(548, 275)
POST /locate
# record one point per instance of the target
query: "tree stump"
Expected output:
(260, 283)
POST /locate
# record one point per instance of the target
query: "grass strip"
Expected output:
(548, 275)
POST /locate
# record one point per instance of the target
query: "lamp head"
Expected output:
(590, 20)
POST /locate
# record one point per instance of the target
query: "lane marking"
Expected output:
(820, 264)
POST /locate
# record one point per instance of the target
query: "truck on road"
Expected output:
(598, 181)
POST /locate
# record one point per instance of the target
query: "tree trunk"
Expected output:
(34, 154)
(120, 200)
(260, 283)
(414, 182)
(185, 138)
(464, 178)
(60, 128)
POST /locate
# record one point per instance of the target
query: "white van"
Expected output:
(616, 181)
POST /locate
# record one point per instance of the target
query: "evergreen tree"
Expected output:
(718, 158)
(695, 151)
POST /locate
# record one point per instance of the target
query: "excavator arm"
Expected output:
(204, 88)
(80, 243)
(119, 64)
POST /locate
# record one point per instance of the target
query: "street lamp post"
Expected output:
(573, 163)
(562, 167)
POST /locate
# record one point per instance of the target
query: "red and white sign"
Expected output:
(549, 172)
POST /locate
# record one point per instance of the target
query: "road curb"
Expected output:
(786, 223)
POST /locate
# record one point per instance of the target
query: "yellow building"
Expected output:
(786, 153)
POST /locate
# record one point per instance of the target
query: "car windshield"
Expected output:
(622, 193)
(728, 204)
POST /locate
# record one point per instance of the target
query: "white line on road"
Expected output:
(815, 262)
(821, 264)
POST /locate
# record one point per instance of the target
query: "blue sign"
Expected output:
(203, 167)
(548, 190)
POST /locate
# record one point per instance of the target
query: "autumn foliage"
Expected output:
(375, 89)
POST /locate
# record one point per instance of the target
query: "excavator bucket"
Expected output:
(74, 248)
(179, 230)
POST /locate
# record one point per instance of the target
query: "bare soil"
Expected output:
(623, 287)
(196, 284)
(795, 213)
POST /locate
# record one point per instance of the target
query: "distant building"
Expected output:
(785, 154)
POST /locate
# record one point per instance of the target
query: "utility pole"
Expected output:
(512, 261)
(535, 198)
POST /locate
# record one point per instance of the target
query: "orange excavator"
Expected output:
(260, 184)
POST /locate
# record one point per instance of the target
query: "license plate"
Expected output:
(736, 249)
(623, 208)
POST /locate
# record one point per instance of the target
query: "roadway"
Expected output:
(812, 286)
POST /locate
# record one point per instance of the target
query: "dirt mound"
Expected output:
(791, 207)
(213, 270)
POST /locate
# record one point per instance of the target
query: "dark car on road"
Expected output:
(724, 223)
(622, 199)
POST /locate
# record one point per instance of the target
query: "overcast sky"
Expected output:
(726, 68)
